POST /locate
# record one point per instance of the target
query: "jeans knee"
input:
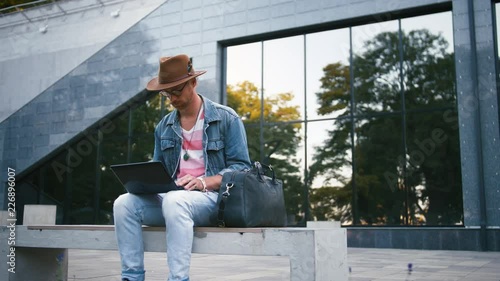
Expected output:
(123, 203)
(120, 201)
(174, 204)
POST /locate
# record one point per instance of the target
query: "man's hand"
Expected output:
(190, 182)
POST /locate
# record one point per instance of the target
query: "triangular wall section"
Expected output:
(109, 78)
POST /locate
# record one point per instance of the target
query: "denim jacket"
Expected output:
(224, 141)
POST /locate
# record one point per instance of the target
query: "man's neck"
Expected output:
(193, 108)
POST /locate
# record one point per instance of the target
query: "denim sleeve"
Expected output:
(157, 155)
(237, 157)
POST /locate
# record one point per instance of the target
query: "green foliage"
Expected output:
(335, 85)
(326, 201)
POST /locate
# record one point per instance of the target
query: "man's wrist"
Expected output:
(202, 179)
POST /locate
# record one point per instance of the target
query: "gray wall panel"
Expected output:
(478, 104)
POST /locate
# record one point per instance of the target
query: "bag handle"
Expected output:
(260, 171)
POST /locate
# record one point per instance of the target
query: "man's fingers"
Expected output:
(191, 183)
(185, 180)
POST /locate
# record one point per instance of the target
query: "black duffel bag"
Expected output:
(250, 198)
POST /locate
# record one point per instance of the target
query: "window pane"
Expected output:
(253, 138)
(330, 158)
(54, 176)
(144, 120)
(378, 160)
(243, 77)
(284, 78)
(146, 115)
(82, 185)
(328, 74)
(141, 148)
(244, 64)
(118, 126)
(113, 152)
(434, 180)
(244, 98)
(429, 65)
(27, 192)
(376, 68)
(283, 150)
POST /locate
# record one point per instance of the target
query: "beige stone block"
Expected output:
(39, 214)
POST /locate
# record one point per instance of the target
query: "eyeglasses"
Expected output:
(168, 93)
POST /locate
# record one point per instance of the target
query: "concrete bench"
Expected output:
(317, 252)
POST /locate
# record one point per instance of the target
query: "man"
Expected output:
(197, 142)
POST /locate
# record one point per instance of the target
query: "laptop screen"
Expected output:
(144, 177)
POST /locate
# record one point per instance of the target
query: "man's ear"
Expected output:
(194, 82)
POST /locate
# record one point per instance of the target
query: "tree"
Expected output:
(421, 184)
(281, 138)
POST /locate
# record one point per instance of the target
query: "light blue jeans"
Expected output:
(178, 210)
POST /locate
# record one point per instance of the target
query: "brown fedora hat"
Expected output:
(173, 71)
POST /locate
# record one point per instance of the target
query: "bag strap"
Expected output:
(222, 205)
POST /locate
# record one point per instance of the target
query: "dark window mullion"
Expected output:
(261, 136)
(68, 191)
(307, 210)
(129, 136)
(98, 171)
(403, 121)
(355, 215)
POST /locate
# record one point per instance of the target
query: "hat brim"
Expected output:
(154, 85)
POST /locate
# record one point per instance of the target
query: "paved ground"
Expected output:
(364, 264)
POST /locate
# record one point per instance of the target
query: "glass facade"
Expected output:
(360, 122)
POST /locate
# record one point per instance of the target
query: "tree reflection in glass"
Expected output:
(392, 187)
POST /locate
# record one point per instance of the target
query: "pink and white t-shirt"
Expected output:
(193, 146)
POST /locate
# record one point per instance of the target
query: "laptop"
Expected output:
(144, 177)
